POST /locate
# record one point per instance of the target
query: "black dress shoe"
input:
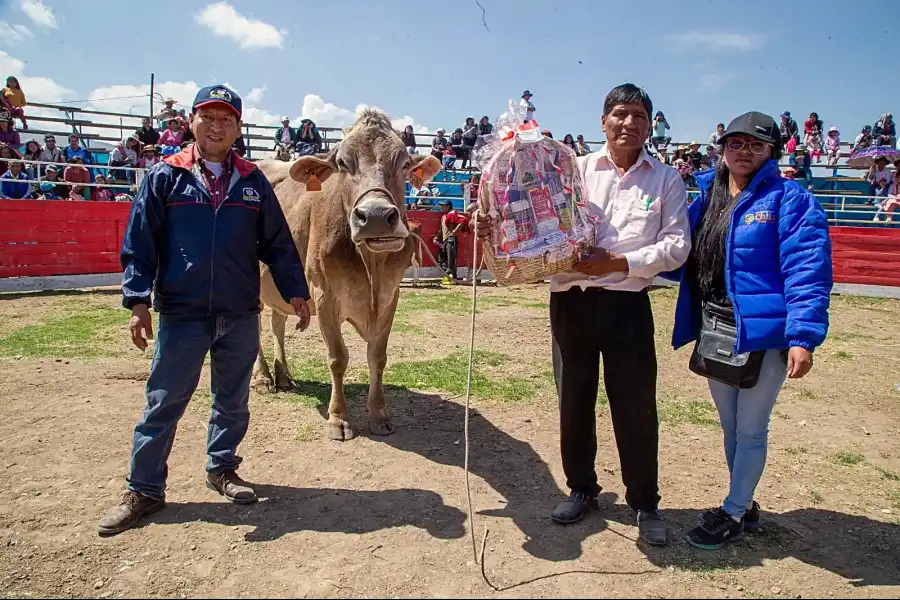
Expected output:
(572, 509)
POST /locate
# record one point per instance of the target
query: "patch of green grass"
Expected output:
(679, 412)
(796, 450)
(887, 474)
(848, 335)
(847, 458)
(449, 375)
(842, 354)
(402, 325)
(894, 498)
(456, 303)
(816, 497)
(870, 302)
(82, 334)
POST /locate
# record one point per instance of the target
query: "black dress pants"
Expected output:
(617, 326)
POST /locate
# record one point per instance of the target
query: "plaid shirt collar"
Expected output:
(208, 175)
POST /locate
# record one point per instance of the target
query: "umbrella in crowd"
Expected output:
(865, 157)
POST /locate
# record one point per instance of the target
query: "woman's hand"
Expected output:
(800, 361)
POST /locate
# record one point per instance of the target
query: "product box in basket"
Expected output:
(534, 193)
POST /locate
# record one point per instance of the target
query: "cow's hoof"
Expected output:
(262, 383)
(284, 384)
(381, 428)
(340, 431)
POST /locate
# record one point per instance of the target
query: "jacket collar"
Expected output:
(187, 158)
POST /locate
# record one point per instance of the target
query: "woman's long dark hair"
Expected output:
(708, 250)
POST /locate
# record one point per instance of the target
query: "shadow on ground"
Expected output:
(283, 510)
(859, 549)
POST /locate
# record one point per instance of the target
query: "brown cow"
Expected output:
(353, 238)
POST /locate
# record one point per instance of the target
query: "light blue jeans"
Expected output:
(744, 415)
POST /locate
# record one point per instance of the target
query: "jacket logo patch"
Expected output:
(763, 216)
(251, 195)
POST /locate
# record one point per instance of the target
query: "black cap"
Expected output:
(758, 125)
(527, 93)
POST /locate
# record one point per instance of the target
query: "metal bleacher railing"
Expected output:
(846, 198)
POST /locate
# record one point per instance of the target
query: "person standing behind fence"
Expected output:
(200, 225)
(147, 135)
(758, 281)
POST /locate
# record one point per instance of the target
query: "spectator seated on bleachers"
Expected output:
(439, 144)
(12, 99)
(309, 141)
(168, 111)
(879, 178)
(485, 127)
(172, 136)
(74, 150)
(31, 155)
(76, 175)
(8, 133)
(50, 152)
(892, 201)
(863, 140)
(124, 154)
(6, 154)
(47, 191)
(51, 175)
(100, 193)
(581, 149)
(801, 161)
(147, 135)
(833, 146)
(658, 130)
(409, 139)
(884, 132)
(21, 188)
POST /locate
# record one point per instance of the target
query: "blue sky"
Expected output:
(433, 63)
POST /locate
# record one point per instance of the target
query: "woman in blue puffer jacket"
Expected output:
(755, 293)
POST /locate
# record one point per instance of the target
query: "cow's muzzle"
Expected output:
(376, 222)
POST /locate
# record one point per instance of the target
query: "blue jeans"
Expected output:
(744, 415)
(181, 347)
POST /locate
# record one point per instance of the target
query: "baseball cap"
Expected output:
(755, 124)
(218, 94)
(283, 119)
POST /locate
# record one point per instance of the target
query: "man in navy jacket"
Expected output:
(202, 221)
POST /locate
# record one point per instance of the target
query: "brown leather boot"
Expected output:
(231, 486)
(128, 512)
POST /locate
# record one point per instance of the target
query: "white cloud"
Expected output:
(225, 21)
(42, 16)
(14, 33)
(256, 95)
(37, 89)
(738, 42)
(326, 114)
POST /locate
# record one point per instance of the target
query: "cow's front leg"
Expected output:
(262, 377)
(283, 379)
(337, 428)
(376, 353)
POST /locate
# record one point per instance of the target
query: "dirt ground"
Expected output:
(385, 516)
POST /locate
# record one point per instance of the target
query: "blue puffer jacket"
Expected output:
(203, 261)
(778, 267)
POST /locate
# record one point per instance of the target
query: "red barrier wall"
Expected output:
(51, 237)
(57, 237)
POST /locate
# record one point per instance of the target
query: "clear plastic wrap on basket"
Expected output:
(535, 194)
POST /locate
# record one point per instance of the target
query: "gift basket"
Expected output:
(535, 195)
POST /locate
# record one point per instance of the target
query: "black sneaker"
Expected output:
(751, 517)
(572, 509)
(715, 531)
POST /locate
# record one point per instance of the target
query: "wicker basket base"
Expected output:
(519, 271)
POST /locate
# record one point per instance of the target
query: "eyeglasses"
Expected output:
(756, 146)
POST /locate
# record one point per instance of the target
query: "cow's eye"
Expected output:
(342, 165)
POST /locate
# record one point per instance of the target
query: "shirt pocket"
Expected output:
(643, 219)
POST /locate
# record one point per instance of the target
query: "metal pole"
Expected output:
(152, 78)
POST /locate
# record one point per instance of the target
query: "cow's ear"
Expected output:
(422, 168)
(321, 167)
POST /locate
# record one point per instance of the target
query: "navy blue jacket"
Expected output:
(202, 261)
(777, 269)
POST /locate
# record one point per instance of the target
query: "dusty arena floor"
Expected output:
(384, 517)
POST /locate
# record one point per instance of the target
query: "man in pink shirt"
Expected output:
(601, 311)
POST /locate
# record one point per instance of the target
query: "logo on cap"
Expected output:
(220, 94)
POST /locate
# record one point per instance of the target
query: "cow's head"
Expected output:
(370, 166)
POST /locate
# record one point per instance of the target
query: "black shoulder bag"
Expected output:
(714, 355)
